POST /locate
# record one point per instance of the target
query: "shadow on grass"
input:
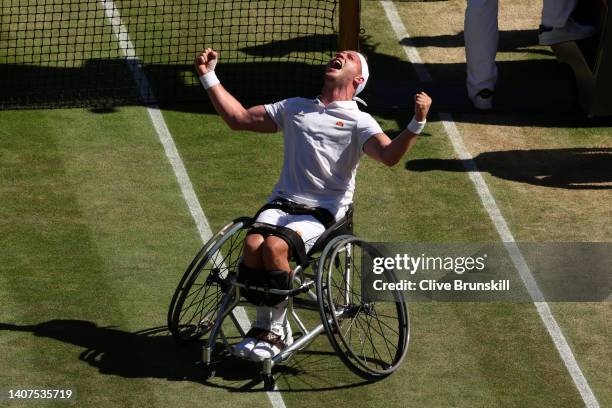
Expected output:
(103, 84)
(574, 168)
(153, 353)
(509, 41)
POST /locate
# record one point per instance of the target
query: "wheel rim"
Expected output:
(372, 338)
(201, 294)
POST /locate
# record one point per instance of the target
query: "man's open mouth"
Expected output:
(336, 63)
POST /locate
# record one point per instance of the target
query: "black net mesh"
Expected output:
(103, 53)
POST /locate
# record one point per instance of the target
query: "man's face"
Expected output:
(343, 68)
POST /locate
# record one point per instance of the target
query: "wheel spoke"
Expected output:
(371, 343)
(198, 302)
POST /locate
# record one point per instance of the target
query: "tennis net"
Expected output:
(57, 53)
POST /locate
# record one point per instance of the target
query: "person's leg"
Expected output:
(558, 26)
(481, 38)
(251, 253)
(555, 13)
(252, 258)
(276, 255)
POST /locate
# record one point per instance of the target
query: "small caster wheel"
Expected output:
(268, 381)
(210, 373)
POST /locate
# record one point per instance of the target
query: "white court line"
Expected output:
(497, 218)
(165, 137)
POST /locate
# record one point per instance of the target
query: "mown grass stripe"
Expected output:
(569, 360)
(165, 137)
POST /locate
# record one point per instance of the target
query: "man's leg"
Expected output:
(253, 260)
(557, 25)
(481, 37)
(276, 255)
(251, 254)
(555, 13)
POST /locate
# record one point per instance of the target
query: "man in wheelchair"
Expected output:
(324, 139)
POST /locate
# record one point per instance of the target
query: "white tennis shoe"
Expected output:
(273, 345)
(244, 348)
(572, 31)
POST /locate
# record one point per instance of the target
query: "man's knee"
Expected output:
(252, 244)
(274, 247)
(252, 251)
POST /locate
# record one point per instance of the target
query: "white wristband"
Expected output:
(416, 127)
(209, 80)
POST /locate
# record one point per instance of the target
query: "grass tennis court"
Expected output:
(96, 234)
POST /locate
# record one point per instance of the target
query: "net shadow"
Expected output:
(108, 83)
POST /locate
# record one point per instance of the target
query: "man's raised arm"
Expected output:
(255, 119)
(381, 148)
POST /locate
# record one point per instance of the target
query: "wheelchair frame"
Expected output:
(333, 310)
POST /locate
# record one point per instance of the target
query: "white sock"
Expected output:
(273, 319)
(277, 323)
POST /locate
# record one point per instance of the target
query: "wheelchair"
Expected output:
(371, 338)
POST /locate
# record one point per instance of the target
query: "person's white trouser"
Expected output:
(556, 12)
(481, 34)
(481, 37)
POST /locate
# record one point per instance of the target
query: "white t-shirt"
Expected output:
(322, 149)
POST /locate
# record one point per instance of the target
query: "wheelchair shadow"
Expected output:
(153, 353)
(307, 371)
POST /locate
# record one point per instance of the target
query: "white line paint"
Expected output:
(165, 137)
(497, 218)
(402, 35)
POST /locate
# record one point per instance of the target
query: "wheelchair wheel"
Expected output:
(370, 337)
(197, 299)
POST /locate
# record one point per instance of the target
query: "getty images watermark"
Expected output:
(486, 272)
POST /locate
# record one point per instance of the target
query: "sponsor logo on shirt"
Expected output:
(340, 123)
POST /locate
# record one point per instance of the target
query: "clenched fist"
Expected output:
(206, 61)
(422, 103)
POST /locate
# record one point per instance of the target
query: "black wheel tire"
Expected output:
(197, 299)
(390, 332)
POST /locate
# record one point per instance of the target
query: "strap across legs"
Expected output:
(321, 214)
(275, 279)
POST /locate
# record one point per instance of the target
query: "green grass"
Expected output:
(477, 350)
(96, 234)
(99, 234)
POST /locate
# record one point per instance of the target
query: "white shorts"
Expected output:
(307, 226)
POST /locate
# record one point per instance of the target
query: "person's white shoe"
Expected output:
(572, 31)
(271, 346)
(264, 350)
(483, 100)
(273, 333)
(244, 348)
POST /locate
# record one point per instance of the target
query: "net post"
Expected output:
(348, 39)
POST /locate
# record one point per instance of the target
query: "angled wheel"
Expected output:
(197, 299)
(370, 337)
